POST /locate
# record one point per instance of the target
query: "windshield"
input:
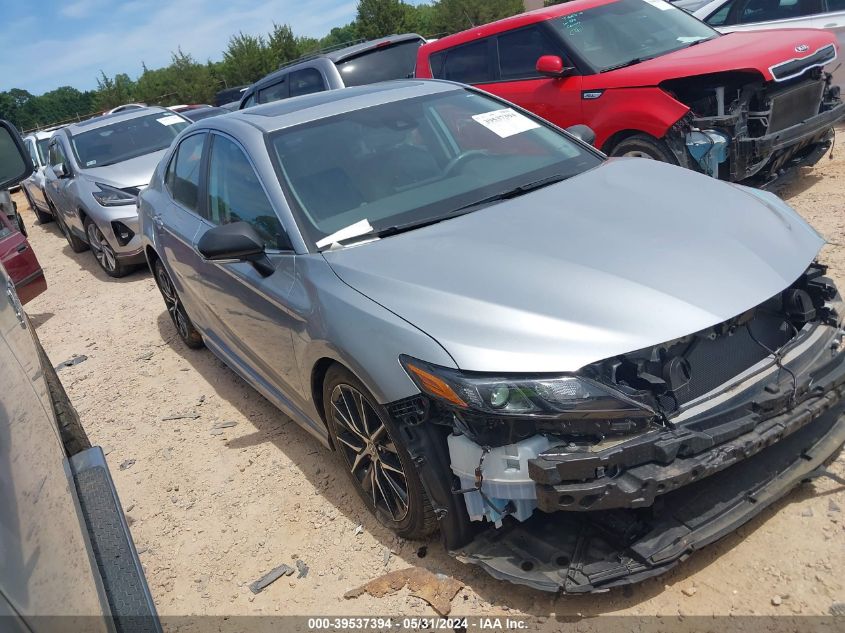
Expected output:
(126, 139)
(381, 64)
(628, 31)
(42, 150)
(415, 160)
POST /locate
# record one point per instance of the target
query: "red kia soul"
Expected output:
(653, 81)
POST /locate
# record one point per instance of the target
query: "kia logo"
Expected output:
(802, 48)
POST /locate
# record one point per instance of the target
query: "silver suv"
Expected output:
(95, 171)
(391, 57)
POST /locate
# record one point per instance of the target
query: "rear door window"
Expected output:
(381, 64)
(752, 11)
(183, 173)
(520, 50)
(306, 82)
(469, 64)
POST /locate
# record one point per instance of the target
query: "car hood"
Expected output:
(135, 172)
(628, 255)
(740, 51)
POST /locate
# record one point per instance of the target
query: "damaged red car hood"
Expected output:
(756, 51)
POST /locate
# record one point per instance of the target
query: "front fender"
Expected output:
(649, 110)
(344, 325)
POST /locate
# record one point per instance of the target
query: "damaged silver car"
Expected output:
(579, 370)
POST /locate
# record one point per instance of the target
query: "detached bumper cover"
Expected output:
(584, 552)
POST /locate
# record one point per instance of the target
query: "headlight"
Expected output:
(112, 196)
(539, 395)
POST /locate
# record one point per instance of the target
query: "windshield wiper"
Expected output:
(630, 62)
(516, 191)
(467, 208)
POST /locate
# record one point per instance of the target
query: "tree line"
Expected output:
(246, 59)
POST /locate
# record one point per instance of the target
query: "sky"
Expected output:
(45, 44)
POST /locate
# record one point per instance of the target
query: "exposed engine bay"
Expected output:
(721, 423)
(741, 127)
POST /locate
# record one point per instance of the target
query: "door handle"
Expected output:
(830, 25)
(21, 248)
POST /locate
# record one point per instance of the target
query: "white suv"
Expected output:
(33, 187)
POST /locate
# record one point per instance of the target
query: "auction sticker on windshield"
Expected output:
(171, 119)
(660, 4)
(505, 122)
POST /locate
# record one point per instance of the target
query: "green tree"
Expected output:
(112, 92)
(377, 18)
(283, 44)
(246, 59)
(341, 35)
(451, 16)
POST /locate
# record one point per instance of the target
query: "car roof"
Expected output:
(514, 22)
(107, 119)
(335, 56)
(287, 112)
(40, 135)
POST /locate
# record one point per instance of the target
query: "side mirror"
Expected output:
(60, 170)
(15, 164)
(583, 133)
(552, 66)
(236, 241)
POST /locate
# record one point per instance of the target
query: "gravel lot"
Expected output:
(213, 509)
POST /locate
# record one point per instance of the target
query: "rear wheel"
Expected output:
(103, 252)
(184, 326)
(379, 466)
(644, 146)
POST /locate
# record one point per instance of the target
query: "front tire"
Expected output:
(103, 251)
(379, 466)
(184, 326)
(644, 146)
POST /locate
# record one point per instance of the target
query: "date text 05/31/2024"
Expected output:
(417, 624)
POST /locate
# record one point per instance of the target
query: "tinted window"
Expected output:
(183, 173)
(720, 16)
(520, 50)
(414, 160)
(305, 82)
(235, 193)
(619, 33)
(381, 64)
(467, 64)
(127, 139)
(275, 92)
(768, 10)
(836, 5)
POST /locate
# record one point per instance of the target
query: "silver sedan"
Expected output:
(578, 369)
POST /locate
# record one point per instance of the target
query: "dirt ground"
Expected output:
(213, 509)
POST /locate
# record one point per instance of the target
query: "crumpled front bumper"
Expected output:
(635, 509)
(593, 551)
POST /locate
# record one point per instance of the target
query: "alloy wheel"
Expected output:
(102, 250)
(369, 451)
(171, 302)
